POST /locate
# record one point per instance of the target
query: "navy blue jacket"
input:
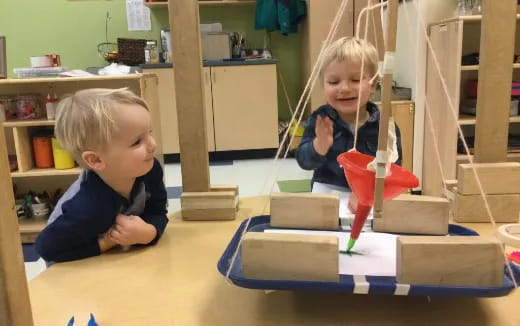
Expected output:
(89, 208)
(326, 168)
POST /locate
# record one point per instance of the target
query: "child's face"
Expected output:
(341, 83)
(130, 152)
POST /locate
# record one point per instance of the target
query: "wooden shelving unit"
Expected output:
(203, 3)
(19, 132)
(451, 39)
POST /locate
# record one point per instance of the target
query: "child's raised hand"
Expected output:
(324, 135)
(131, 229)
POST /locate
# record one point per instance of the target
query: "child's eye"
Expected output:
(355, 80)
(332, 82)
(137, 142)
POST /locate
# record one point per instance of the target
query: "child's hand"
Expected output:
(324, 135)
(129, 230)
(105, 242)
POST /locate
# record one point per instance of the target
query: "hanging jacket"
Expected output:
(283, 15)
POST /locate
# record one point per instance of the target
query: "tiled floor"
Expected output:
(254, 177)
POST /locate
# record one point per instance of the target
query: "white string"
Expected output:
(461, 134)
(299, 109)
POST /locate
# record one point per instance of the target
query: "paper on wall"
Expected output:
(138, 16)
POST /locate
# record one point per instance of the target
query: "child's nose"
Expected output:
(152, 145)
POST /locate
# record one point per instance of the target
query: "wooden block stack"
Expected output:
(501, 184)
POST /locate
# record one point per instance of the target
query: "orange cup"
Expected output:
(42, 148)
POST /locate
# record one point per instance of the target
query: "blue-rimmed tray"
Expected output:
(351, 284)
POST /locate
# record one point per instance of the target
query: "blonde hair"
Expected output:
(351, 48)
(84, 120)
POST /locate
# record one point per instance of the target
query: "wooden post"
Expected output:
(15, 307)
(386, 100)
(497, 44)
(199, 201)
(187, 58)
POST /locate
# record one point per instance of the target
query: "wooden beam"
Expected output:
(497, 46)
(496, 178)
(282, 256)
(450, 261)
(414, 215)
(15, 307)
(386, 100)
(470, 208)
(185, 40)
(305, 211)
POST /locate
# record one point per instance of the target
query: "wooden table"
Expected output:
(177, 283)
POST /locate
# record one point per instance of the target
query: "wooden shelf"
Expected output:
(29, 123)
(30, 228)
(53, 80)
(512, 156)
(45, 173)
(476, 67)
(467, 120)
(466, 19)
(203, 3)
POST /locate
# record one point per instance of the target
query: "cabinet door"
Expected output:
(403, 114)
(245, 107)
(168, 109)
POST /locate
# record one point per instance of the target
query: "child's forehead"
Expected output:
(345, 66)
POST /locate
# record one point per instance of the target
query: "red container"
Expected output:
(42, 148)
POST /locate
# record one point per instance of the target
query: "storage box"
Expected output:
(215, 46)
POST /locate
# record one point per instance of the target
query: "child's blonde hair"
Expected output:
(84, 120)
(351, 48)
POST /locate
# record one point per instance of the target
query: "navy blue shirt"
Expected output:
(89, 208)
(326, 167)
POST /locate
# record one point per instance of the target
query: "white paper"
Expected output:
(211, 28)
(377, 252)
(138, 16)
(346, 217)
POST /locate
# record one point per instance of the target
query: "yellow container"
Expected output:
(62, 159)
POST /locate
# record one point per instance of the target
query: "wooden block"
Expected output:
(450, 184)
(450, 261)
(305, 211)
(280, 256)
(212, 205)
(496, 178)
(470, 208)
(233, 188)
(414, 214)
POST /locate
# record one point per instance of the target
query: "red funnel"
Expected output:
(362, 183)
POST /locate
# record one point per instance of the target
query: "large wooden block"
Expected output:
(450, 261)
(218, 204)
(305, 211)
(496, 178)
(470, 208)
(281, 256)
(414, 214)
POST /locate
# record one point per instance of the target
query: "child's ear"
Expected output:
(93, 160)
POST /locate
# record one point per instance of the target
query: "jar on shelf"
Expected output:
(151, 52)
(29, 106)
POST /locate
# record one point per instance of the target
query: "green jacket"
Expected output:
(283, 15)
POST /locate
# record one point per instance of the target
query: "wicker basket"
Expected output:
(131, 51)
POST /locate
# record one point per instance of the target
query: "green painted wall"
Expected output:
(74, 28)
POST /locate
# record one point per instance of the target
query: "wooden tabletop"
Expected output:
(176, 282)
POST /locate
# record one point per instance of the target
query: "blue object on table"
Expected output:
(91, 322)
(377, 284)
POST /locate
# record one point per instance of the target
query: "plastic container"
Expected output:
(62, 159)
(151, 52)
(50, 107)
(29, 106)
(42, 148)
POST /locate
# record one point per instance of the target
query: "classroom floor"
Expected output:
(249, 175)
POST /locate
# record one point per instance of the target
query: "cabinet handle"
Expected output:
(412, 108)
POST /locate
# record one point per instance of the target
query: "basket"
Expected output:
(131, 51)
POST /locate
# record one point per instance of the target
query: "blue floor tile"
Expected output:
(29, 253)
(174, 192)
